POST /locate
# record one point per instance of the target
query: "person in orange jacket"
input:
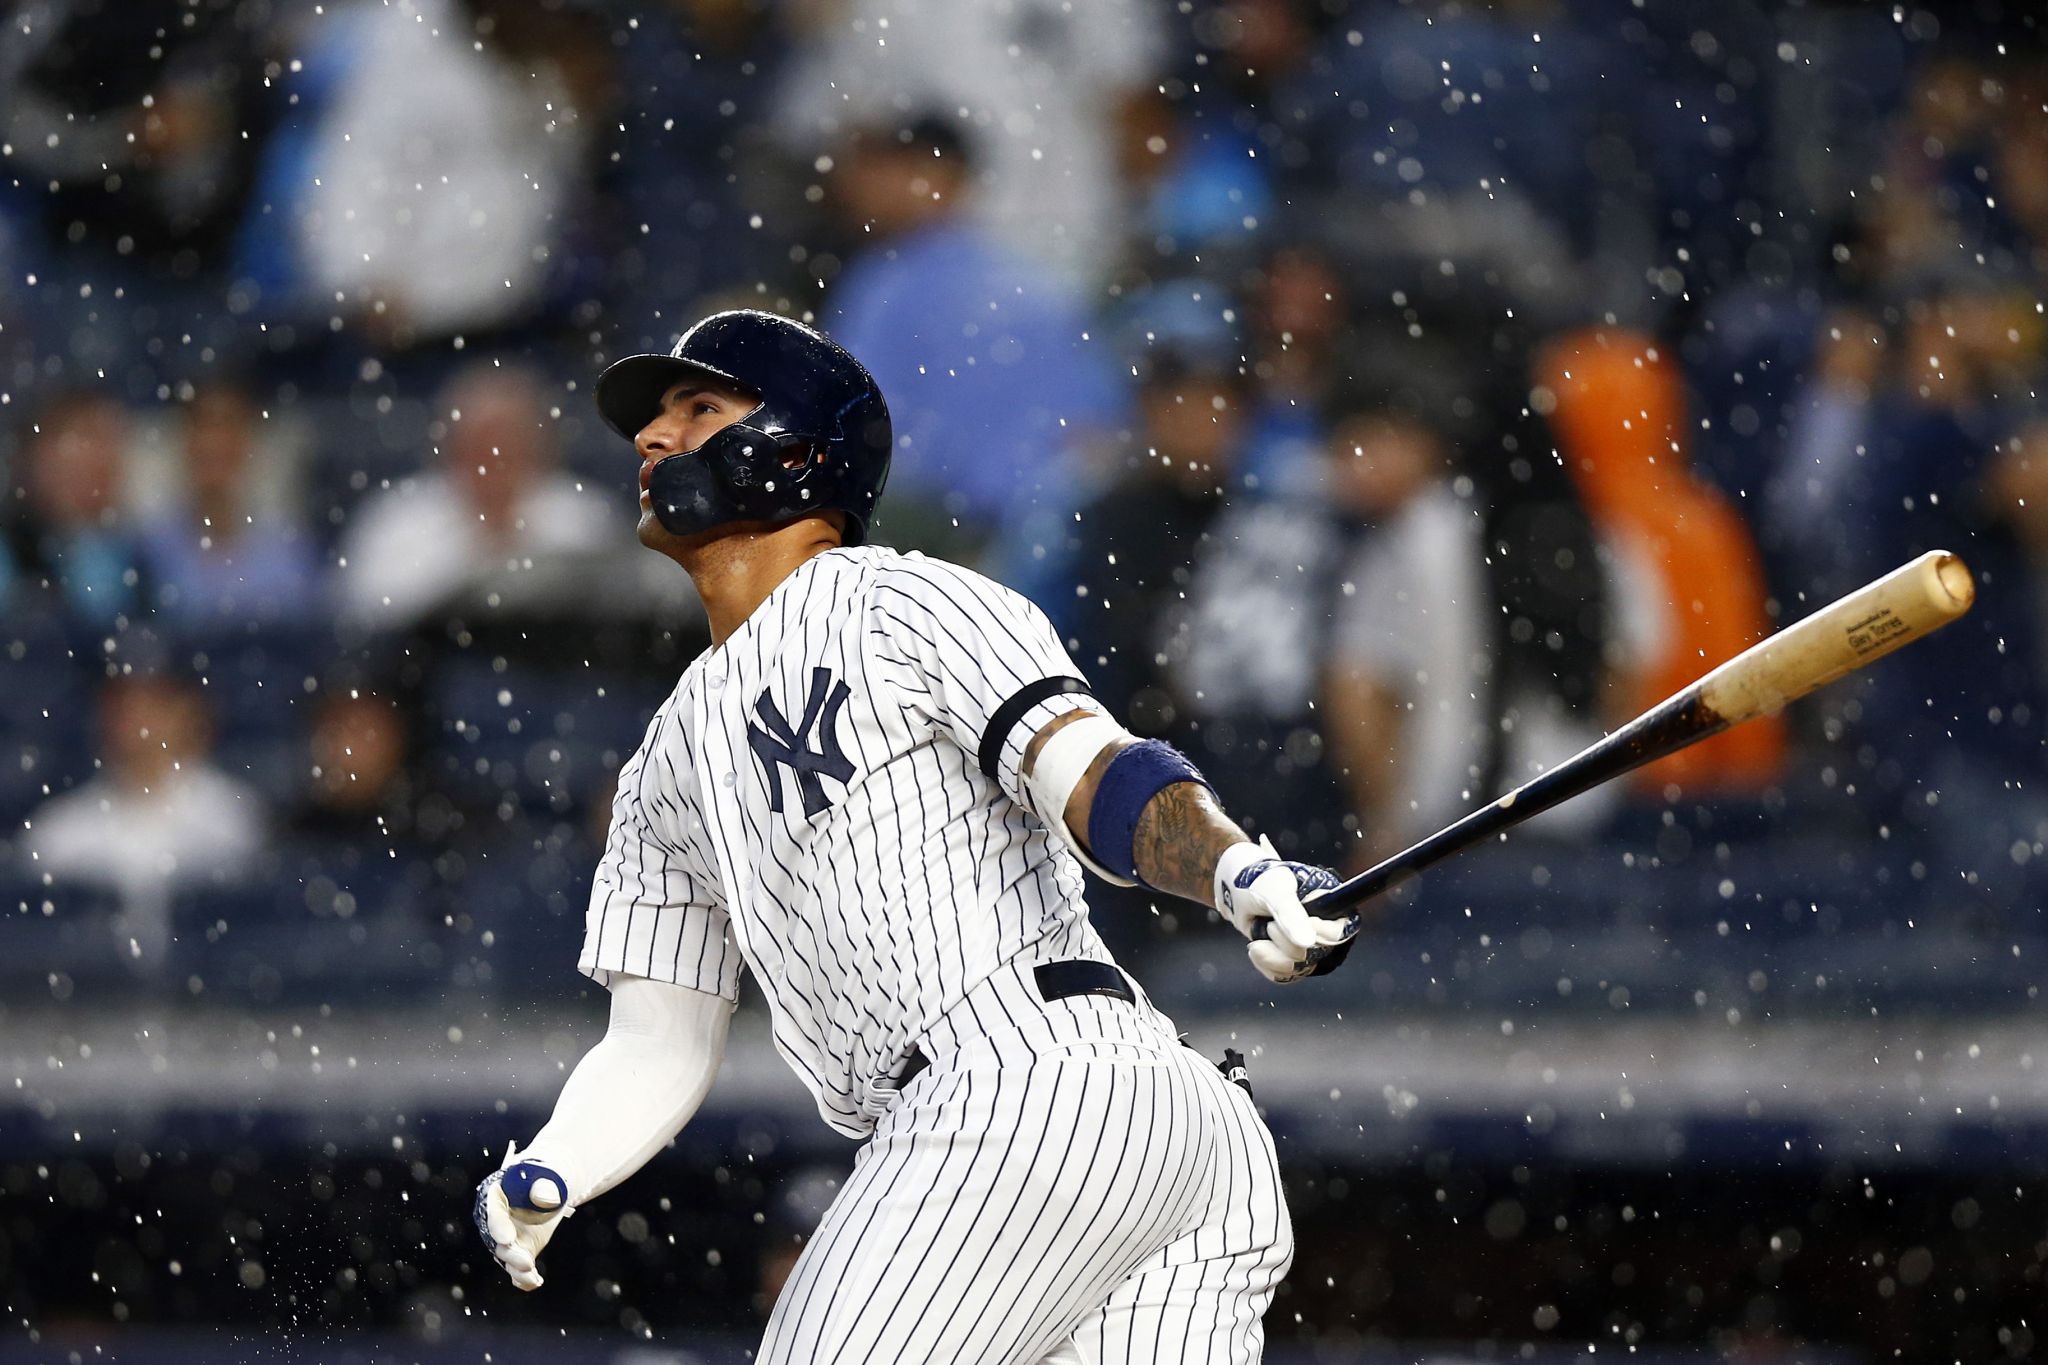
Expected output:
(1618, 409)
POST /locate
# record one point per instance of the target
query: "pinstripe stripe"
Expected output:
(1051, 1315)
(1060, 1171)
(879, 1180)
(1104, 1187)
(1004, 1208)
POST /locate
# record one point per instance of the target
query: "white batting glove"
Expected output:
(518, 1208)
(1261, 893)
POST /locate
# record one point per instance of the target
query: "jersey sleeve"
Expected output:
(653, 912)
(980, 662)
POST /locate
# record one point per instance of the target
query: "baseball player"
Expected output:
(877, 790)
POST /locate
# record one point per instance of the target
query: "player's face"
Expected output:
(692, 412)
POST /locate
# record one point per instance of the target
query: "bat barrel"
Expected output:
(1919, 596)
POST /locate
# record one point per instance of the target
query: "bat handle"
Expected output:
(1345, 897)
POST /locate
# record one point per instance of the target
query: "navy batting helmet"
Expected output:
(818, 441)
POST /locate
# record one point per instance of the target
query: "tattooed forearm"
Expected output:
(1180, 835)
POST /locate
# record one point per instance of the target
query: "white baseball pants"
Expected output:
(1064, 1183)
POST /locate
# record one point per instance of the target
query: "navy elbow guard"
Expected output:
(1136, 775)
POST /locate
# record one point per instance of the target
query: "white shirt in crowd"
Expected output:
(419, 544)
(1037, 80)
(145, 844)
(440, 174)
(1416, 618)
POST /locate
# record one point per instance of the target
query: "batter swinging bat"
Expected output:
(1912, 600)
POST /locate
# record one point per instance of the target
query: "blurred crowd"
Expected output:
(1383, 399)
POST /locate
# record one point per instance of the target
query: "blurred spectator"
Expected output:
(2021, 145)
(1937, 207)
(1957, 349)
(1184, 323)
(159, 817)
(1299, 321)
(68, 535)
(1203, 154)
(1408, 676)
(358, 783)
(2019, 485)
(1248, 645)
(1556, 632)
(1943, 328)
(209, 557)
(1815, 552)
(1195, 186)
(1620, 417)
(1036, 82)
(133, 114)
(1933, 470)
(496, 508)
(987, 359)
(443, 171)
(1414, 692)
(139, 121)
(1132, 550)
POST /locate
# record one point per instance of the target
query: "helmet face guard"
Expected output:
(818, 440)
(741, 473)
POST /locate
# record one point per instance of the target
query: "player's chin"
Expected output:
(653, 534)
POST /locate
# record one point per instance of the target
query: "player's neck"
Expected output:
(736, 568)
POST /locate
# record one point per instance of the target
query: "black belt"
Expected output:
(1056, 981)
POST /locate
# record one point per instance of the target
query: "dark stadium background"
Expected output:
(1746, 1065)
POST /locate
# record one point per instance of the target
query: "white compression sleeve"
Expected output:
(1063, 760)
(637, 1088)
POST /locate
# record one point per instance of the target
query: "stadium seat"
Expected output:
(322, 920)
(518, 917)
(46, 712)
(55, 940)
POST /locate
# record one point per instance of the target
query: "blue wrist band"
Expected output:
(1132, 779)
(519, 1184)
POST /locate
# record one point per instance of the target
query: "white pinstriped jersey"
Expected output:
(822, 796)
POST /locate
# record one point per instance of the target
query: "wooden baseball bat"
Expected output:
(1912, 600)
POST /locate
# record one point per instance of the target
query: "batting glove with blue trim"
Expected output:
(518, 1208)
(1268, 899)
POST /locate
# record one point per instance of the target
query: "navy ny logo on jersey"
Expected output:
(779, 744)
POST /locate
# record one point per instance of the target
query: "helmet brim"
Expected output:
(629, 391)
